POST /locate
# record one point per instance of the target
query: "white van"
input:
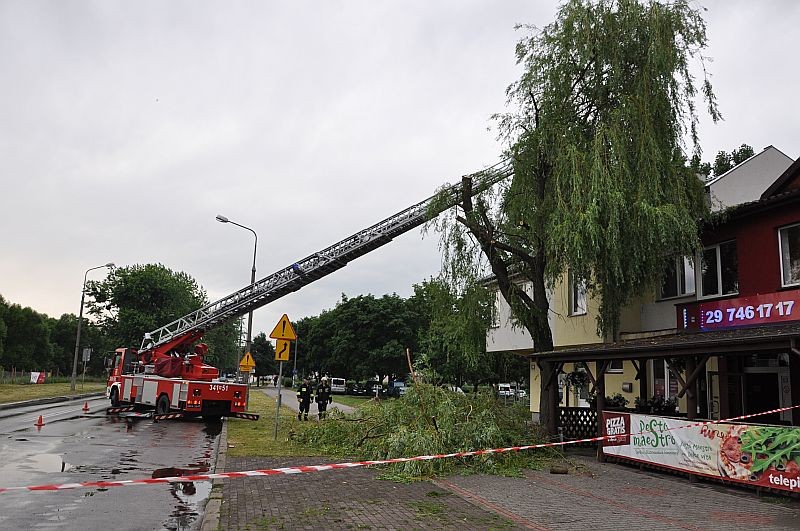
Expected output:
(504, 390)
(338, 386)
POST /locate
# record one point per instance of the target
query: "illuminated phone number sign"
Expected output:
(746, 311)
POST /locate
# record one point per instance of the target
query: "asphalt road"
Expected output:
(74, 446)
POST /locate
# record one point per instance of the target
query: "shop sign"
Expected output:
(768, 308)
(765, 456)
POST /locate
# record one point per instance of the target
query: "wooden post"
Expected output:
(691, 390)
(600, 387)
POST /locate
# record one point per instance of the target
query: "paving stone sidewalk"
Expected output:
(343, 499)
(594, 496)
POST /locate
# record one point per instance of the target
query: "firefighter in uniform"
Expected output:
(304, 393)
(323, 396)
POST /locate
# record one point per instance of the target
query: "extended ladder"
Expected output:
(319, 264)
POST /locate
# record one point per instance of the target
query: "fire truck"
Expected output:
(167, 376)
(168, 382)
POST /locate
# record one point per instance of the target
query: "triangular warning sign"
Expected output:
(283, 330)
(247, 364)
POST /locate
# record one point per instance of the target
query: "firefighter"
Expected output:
(323, 396)
(304, 395)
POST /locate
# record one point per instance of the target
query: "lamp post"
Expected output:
(80, 320)
(223, 219)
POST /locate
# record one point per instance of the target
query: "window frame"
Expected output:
(784, 284)
(699, 288)
(682, 265)
(574, 309)
(613, 370)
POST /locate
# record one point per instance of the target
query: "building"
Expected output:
(721, 338)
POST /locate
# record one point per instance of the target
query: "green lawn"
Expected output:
(249, 438)
(352, 401)
(19, 392)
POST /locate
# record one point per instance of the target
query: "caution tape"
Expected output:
(337, 466)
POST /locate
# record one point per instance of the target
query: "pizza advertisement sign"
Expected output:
(765, 456)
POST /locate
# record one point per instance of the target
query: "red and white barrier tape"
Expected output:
(335, 466)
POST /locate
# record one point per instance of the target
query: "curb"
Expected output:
(211, 512)
(49, 400)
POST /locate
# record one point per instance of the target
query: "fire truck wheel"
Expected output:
(162, 406)
(115, 396)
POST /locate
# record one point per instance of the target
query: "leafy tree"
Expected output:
(601, 186)
(264, 355)
(27, 341)
(742, 154)
(722, 163)
(140, 298)
(223, 346)
(137, 299)
(452, 331)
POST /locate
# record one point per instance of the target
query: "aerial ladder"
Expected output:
(178, 336)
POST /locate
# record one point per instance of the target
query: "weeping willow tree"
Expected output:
(598, 135)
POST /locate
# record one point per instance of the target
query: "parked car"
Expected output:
(396, 389)
(504, 390)
(521, 393)
(453, 388)
(338, 386)
(374, 386)
(356, 389)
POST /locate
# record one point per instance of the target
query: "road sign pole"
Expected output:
(278, 407)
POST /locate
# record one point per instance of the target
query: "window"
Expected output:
(678, 278)
(790, 255)
(577, 296)
(496, 310)
(719, 270)
(615, 367)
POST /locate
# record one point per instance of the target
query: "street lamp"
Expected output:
(223, 219)
(80, 320)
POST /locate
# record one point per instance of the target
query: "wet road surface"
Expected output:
(77, 447)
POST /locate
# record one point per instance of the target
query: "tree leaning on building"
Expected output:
(601, 186)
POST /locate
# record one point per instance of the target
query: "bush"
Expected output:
(657, 405)
(428, 420)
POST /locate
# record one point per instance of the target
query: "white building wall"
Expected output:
(748, 180)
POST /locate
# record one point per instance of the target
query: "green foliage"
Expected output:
(428, 420)
(361, 337)
(140, 298)
(723, 162)
(452, 331)
(264, 355)
(223, 346)
(25, 342)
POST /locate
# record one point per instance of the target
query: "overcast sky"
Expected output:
(125, 127)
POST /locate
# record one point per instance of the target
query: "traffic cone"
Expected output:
(39, 422)
(86, 407)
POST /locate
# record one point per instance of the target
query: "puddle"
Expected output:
(189, 495)
(48, 463)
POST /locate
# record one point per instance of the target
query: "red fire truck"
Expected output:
(169, 382)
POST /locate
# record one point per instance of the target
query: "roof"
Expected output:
(787, 180)
(736, 342)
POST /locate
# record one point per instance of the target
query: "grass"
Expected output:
(352, 401)
(19, 392)
(257, 438)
